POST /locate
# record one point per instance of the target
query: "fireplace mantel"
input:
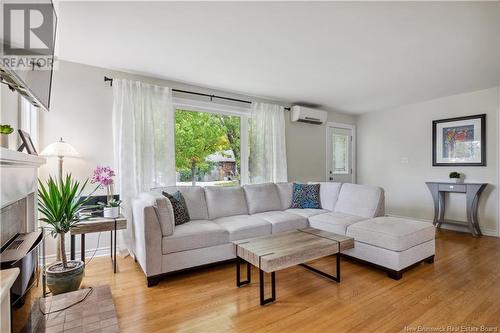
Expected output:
(19, 178)
(16, 158)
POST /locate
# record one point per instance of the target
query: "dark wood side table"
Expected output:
(97, 224)
(471, 190)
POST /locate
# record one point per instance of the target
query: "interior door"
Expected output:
(340, 154)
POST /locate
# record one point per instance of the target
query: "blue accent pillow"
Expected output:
(181, 214)
(305, 196)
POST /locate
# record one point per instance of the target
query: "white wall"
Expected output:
(306, 148)
(81, 114)
(9, 115)
(385, 137)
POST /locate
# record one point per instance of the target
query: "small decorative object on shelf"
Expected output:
(5, 131)
(111, 209)
(103, 175)
(27, 143)
(61, 205)
(457, 177)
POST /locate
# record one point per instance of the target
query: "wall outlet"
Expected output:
(405, 160)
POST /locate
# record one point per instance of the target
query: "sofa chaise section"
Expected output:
(392, 243)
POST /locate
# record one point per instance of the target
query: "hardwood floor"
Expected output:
(461, 288)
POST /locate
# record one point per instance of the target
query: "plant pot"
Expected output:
(4, 140)
(111, 212)
(458, 180)
(61, 280)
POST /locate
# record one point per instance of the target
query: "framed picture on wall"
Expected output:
(459, 141)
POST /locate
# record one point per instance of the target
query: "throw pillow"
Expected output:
(305, 196)
(181, 214)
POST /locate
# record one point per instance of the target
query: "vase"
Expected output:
(109, 192)
(111, 212)
(4, 140)
(62, 280)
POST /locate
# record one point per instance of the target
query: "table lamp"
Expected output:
(60, 149)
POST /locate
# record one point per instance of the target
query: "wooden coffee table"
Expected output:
(279, 251)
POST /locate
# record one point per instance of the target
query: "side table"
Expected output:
(472, 192)
(97, 224)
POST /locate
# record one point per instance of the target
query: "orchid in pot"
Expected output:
(111, 209)
(103, 175)
(61, 204)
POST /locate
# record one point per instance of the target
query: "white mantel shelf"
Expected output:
(16, 158)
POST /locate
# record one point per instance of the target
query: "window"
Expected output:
(208, 148)
(340, 149)
(29, 119)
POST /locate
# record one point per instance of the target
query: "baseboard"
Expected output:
(101, 252)
(485, 231)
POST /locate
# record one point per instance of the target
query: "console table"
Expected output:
(472, 192)
(97, 224)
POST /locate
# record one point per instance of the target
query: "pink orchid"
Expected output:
(103, 175)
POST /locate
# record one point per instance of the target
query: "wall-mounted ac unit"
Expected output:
(307, 115)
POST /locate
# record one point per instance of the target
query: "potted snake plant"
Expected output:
(61, 204)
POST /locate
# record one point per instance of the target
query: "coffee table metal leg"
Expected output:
(331, 277)
(264, 301)
(240, 283)
(337, 258)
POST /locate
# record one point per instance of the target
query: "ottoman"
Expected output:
(392, 243)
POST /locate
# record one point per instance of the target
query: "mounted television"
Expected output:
(27, 48)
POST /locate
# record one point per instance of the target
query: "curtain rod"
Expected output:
(110, 80)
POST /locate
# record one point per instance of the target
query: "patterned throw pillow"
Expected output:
(305, 196)
(181, 214)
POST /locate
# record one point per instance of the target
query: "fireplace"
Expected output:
(19, 248)
(20, 236)
(13, 219)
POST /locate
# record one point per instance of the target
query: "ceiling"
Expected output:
(351, 57)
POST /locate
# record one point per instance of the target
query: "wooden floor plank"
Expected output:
(462, 287)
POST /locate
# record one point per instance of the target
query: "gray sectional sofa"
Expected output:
(220, 215)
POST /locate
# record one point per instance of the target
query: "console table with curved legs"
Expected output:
(471, 190)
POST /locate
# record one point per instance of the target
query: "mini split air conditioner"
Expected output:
(307, 115)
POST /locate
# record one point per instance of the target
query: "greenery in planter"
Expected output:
(455, 174)
(61, 203)
(110, 203)
(6, 129)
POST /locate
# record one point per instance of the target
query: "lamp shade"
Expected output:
(60, 149)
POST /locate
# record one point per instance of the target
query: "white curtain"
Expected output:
(267, 160)
(143, 138)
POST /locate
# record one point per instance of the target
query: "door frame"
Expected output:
(351, 127)
(498, 169)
